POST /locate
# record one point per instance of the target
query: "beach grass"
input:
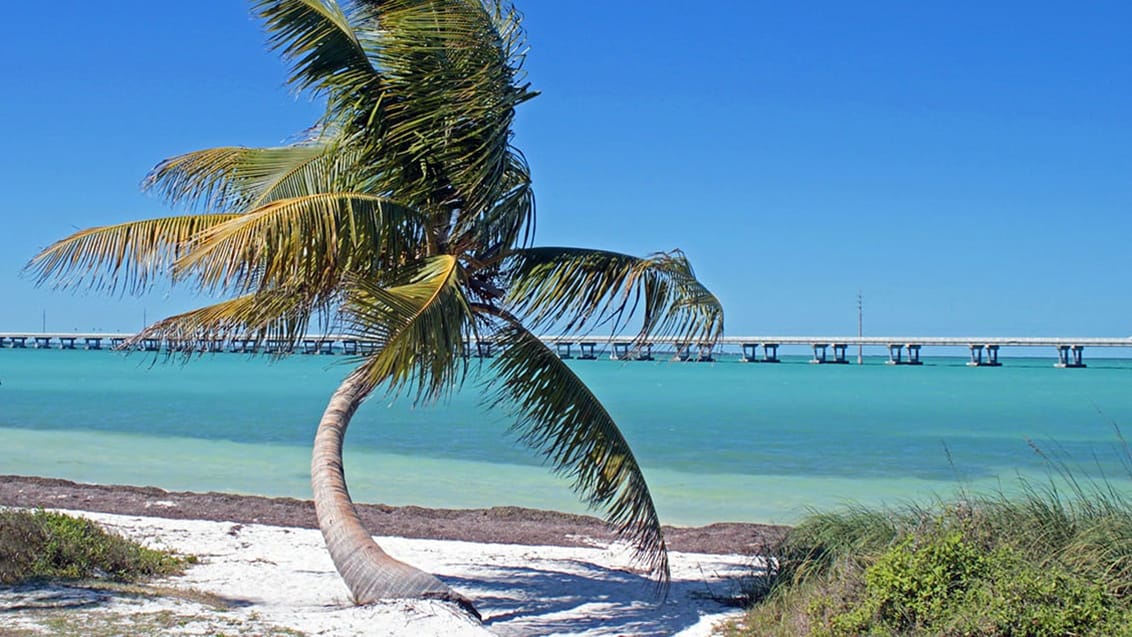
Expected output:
(1054, 559)
(43, 545)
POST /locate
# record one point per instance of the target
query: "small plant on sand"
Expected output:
(37, 545)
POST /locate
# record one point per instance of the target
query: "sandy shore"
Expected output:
(276, 578)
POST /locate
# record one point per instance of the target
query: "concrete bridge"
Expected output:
(905, 350)
(901, 350)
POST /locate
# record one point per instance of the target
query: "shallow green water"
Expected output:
(722, 441)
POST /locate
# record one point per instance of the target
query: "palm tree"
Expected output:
(404, 218)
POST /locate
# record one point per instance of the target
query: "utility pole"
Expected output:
(44, 323)
(860, 329)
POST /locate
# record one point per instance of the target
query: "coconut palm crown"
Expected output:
(404, 218)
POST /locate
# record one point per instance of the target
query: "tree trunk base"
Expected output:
(370, 573)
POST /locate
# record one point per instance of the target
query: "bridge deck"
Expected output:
(882, 341)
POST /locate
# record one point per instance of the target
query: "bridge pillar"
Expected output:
(42, 342)
(895, 354)
(704, 354)
(839, 353)
(819, 353)
(483, 349)
(992, 356)
(351, 347)
(644, 353)
(3, 340)
(563, 349)
(1078, 352)
(683, 351)
(1070, 356)
(976, 355)
(977, 350)
(914, 354)
(587, 351)
(620, 352)
(117, 342)
(19, 341)
(318, 346)
(770, 353)
(93, 342)
(750, 353)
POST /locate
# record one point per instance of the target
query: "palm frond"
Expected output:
(315, 239)
(125, 256)
(558, 415)
(324, 43)
(507, 222)
(238, 178)
(418, 326)
(574, 289)
(427, 90)
(449, 82)
(281, 315)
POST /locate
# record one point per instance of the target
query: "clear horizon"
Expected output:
(964, 167)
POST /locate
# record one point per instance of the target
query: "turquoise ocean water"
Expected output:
(723, 441)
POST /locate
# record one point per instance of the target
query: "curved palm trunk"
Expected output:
(369, 572)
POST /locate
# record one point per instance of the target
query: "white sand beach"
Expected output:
(268, 580)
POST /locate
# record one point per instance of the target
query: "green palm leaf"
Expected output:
(313, 239)
(575, 289)
(509, 221)
(426, 90)
(125, 256)
(239, 178)
(450, 68)
(419, 326)
(325, 45)
(560, 417)
(270, 315)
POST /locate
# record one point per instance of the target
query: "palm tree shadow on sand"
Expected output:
(573, 596)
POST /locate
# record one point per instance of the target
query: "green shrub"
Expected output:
(914, 583)
(21, 536)
(1032, 566)
(944, 584)
(1015, 597)
(1053, 559)
(47, 545)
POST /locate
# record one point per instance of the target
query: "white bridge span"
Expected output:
(902, 350)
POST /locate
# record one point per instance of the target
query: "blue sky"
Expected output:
(966, 166)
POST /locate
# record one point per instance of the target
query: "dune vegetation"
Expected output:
(45, 545)
(1054, 559)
